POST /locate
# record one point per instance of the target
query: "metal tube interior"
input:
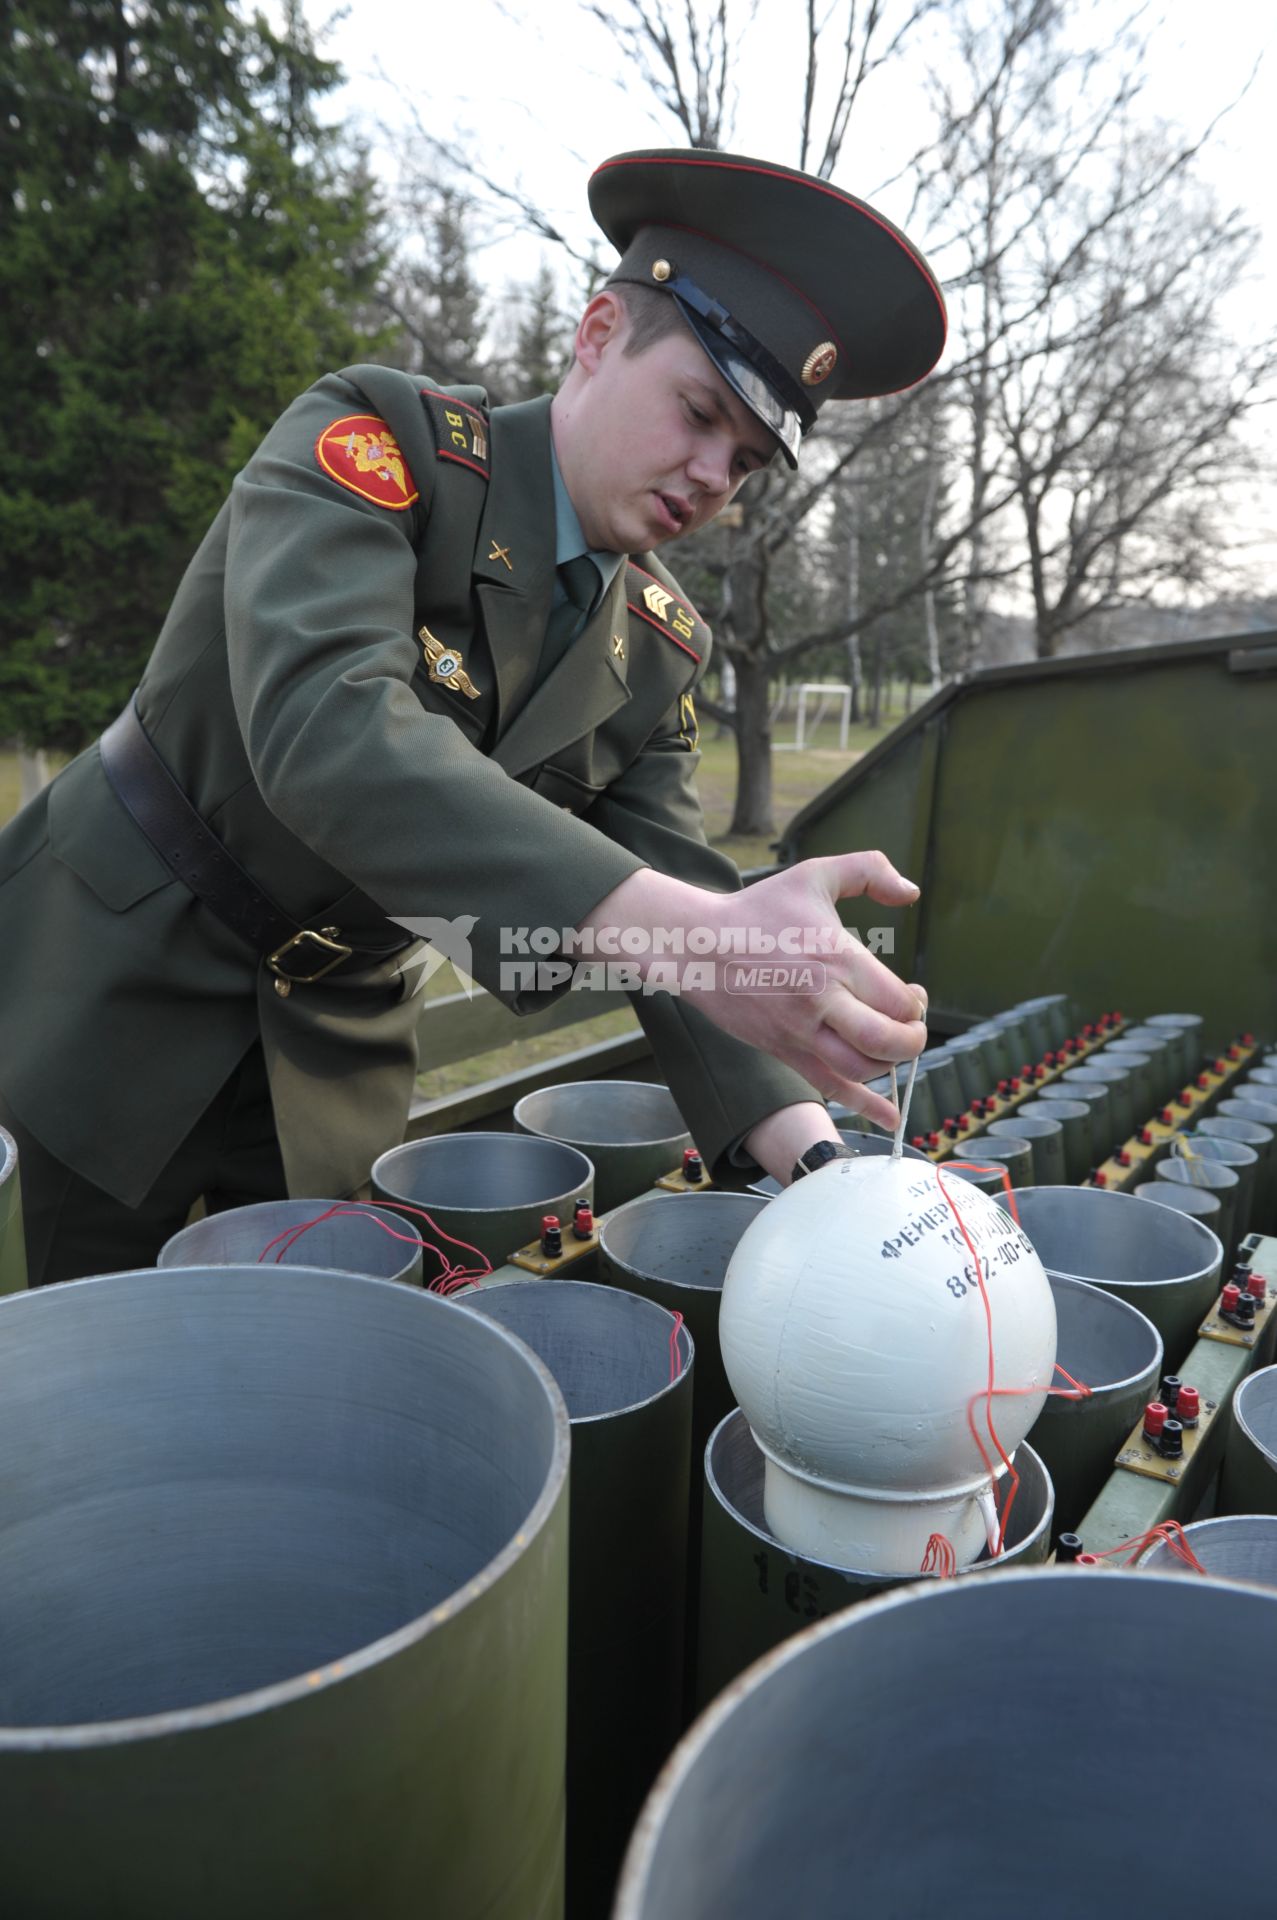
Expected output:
(481, 1171)
(222, 1479)
(853, 1769)
(685, 1240)
(1238, 1546)
(617, 1113)
(608, 1350)
(1255, 1412)
(1094, 1235)
(1194, 1200)
(360, 1239)
(1102, 1341)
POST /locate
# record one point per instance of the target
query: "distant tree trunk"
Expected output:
(929, 598)
(727, 694)
(755, 811)
(33, 773)
(855, 671)
(743, 625)
(875, 697)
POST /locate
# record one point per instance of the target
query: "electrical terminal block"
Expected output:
(556, 1251)
(1002, 1100)
(1243, 1310)
(691, 1177)
(1169, 1432)
(1131, 1163)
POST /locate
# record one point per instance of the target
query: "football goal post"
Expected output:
(815, 698)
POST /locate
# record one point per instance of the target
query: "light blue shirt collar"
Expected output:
(569, 541)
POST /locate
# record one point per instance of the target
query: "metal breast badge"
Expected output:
(444, 665)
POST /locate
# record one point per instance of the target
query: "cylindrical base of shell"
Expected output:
(874, 1533)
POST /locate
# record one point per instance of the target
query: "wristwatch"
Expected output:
(820, 1155)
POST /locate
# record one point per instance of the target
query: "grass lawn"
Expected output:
(797, 778)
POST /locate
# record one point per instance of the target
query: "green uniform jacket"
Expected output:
(290, 693)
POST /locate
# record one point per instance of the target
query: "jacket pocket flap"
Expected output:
(92, 832)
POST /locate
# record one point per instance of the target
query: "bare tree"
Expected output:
(435, 297)
(1090, 402)
(686, 60)
(1088, 269)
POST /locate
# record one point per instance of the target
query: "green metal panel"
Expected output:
(1100, 825)
(902, 804)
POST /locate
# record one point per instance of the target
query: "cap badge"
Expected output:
(444, 665)
(661, 269)
(820, 363)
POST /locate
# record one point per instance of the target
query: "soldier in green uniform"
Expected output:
(425, 672)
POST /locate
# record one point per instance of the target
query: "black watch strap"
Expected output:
(820, 1155)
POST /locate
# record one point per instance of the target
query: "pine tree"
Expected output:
(438, 301)
(182, 248)
(543, 338)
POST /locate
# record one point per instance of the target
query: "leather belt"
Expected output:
(194, 855)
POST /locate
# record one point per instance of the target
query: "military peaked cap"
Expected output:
(797, 292)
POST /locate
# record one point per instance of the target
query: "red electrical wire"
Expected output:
(1075, 1391)
(1169, 1531)
(451, 1280)
(676, 1357)
(1013, 1478)
(940, 1557)
(1004, 1172)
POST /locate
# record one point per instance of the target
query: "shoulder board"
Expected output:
(461, 430)
(663, 608)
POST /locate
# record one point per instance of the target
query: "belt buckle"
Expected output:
(328, 944)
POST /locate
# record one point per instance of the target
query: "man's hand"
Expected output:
(856, 1019)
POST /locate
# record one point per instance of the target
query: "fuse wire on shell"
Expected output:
(940, 1557)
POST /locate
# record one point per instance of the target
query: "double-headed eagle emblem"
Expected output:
(377, 453)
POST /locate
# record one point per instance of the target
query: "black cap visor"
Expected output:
(749, 370)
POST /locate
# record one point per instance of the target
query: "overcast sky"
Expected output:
(542, 94)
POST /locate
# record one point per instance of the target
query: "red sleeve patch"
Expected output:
(361, 453)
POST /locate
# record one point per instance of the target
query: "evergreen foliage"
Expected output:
(183, 247)
(436, 299)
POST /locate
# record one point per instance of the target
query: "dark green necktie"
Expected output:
(580, 581)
